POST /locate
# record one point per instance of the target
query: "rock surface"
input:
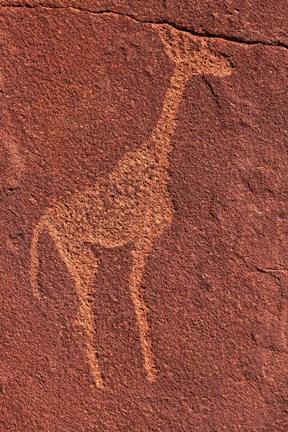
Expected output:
(79, 90)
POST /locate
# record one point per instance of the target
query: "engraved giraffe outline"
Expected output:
(131, 205)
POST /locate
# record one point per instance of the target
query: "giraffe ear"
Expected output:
(179, 46)
(171, 40)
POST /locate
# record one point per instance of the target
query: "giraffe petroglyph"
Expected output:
(129, 206)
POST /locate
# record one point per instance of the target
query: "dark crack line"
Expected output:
(215, 36)
(213, 92)
(276, 274)
(271, 270)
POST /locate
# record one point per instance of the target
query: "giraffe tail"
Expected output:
(35, 256)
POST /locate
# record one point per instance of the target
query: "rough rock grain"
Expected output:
(79, 91)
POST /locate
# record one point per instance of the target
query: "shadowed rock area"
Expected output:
(143, 203)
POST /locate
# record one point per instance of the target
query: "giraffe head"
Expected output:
(191, 53)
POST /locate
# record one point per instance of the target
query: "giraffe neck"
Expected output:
(163, 132)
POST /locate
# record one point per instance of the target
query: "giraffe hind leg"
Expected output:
(82, 266)
(139, 258)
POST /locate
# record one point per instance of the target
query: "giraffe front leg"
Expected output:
(86, 320)
(139, 258)
(82, 266)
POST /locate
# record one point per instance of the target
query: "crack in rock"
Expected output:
(210, 35)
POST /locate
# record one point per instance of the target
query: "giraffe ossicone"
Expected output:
(130, 205)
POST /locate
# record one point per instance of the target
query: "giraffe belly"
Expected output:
(114, 225)
(122, 227)
(117, 229)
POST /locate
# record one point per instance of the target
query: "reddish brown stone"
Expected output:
(78, 92)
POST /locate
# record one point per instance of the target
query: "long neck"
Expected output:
(164, 130)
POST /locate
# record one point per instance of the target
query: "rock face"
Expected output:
(143, 200)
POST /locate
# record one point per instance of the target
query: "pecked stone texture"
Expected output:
(79, 91)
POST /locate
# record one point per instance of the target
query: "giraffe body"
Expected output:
(124, 201)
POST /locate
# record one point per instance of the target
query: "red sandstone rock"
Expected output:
(78, 92)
